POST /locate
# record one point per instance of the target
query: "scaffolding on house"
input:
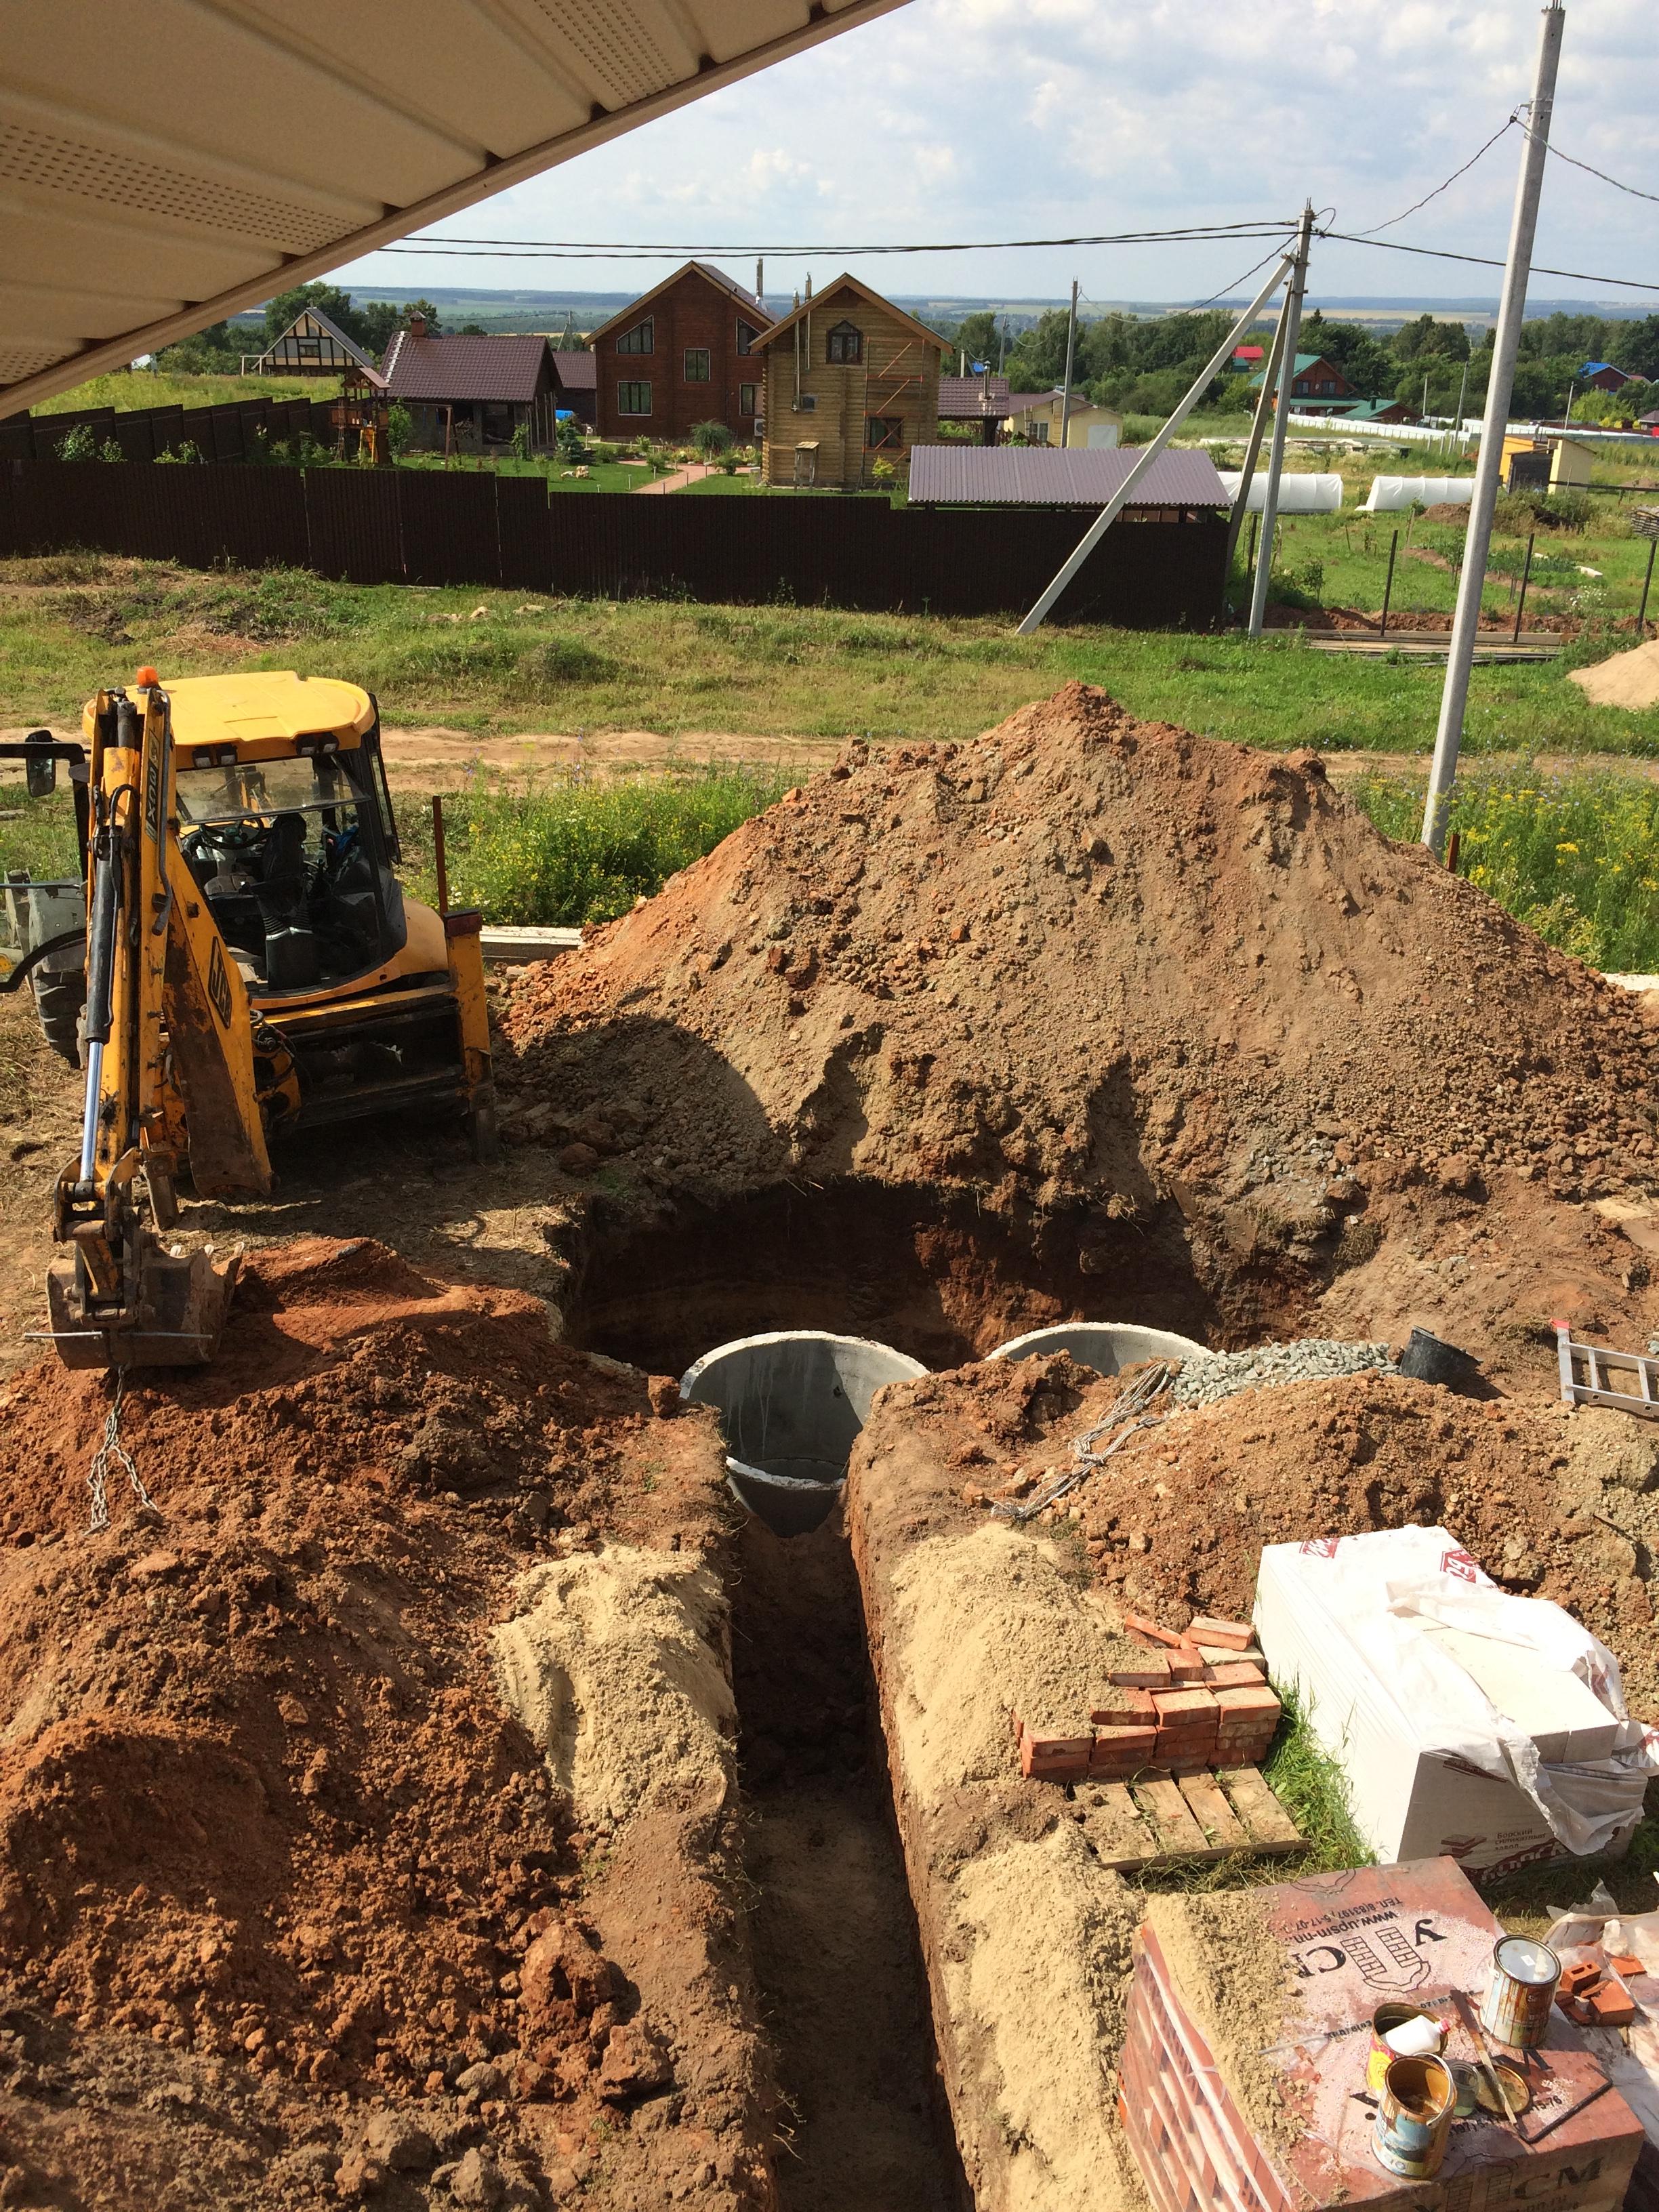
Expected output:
(903, 377)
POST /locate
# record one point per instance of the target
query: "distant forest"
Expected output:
(1144, 364)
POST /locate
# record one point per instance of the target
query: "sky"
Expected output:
(981, 119)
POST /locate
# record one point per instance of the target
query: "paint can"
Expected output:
(1516, 2008)
(1415, 2117)
(1384, 2020)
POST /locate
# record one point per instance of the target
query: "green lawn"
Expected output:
(127, 390)
(69, 622)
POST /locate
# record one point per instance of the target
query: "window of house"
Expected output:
(497, 424)
(697, 365)
(643, 339)
(634, 396)
(746, 336)
(1037, 433)
(881, 430)
(845, 342)
(749, 399)
(310, 349)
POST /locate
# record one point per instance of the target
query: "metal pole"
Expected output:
(1388, 588)
(1463, 394)
(1253, 446)
(1521, 604)
(1647, 582)
(1298, 285)
(1466, 623)
(439, 868)
(1071, 353)
(1120, 499)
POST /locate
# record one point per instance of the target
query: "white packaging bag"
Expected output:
(1366, 1629)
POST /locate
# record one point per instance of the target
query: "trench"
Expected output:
(865, 2126)
(924, 1270)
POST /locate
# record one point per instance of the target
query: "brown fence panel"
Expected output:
(352, 516)
(449, 526)
(522, 528)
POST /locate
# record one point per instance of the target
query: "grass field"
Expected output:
(129, 389)
(69, 622)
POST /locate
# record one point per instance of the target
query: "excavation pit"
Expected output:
(1107, 1346)
(790, 1404)
(930, 1270)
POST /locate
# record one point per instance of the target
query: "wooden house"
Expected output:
(683, 353)
(472, 395)
(1314, 378)
(851, 381)
(313, 346)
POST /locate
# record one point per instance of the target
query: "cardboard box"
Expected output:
(1350, 1941)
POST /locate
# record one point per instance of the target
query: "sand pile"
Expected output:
(1173, 1006)
(292, 1907)
(1628, 679)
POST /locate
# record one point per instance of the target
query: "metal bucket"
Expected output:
(1415, 2117)
(1516, 2008)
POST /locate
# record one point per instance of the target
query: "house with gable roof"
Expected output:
(851, 381)
(683, 353)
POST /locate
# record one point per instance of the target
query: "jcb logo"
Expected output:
(219, 984)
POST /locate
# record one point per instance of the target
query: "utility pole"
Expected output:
(1253, 444)
(1293, 298)
(1465, 623)
(1071, 353)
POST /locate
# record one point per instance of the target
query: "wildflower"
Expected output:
(1566, 848)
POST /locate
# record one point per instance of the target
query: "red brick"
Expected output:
(1576, 1980)
(1186, 1664)
(1613, 2006)
(1235, 1675)
(1125, 1704)
(1179, 1707)
(1152, 1672)
(1244, 1704)
(1624, 1963)
(1040, 1753)
(1232, 1635)
(1121, 1750)
(1579, 2009)
(1138, 1625)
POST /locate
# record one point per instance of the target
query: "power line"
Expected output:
(553, 249)
(1233, 284)
(1484, 260)
(1446, 184)
(1635, 191)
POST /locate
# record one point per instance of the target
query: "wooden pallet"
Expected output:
(1130, 1826)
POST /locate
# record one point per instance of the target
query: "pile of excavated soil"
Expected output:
(1172, 1009)
(1628, 679)
(1553, 1501)
(339, 1855)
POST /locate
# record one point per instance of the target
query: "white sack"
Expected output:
(1379, 1596)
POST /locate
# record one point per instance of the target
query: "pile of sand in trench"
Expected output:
(281, 1858)
(1129, 984)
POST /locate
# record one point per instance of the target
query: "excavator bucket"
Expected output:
(177, 1308)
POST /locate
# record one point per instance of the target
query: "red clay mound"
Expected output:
(1138, 993)
(273, 1854)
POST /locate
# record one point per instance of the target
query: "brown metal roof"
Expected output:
(972, 399)
(578, 372)
(708, 272)
(1045, 476)
(504, 368)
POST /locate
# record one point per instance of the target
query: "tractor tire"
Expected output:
(60, 1001)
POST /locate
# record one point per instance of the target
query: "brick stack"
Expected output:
(1183, 1706)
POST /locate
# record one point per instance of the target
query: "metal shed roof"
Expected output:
(578, 372)
(464, 368)
(972, 399)
(1045, 476)
(166, 162)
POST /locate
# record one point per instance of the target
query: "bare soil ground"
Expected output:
(292, 1908)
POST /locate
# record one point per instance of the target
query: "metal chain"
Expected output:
(111, 1452)
(1127, 1415)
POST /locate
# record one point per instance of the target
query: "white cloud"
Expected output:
(989, 119)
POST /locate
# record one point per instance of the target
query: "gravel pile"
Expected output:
(1217, 1375)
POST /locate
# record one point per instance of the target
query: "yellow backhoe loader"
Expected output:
(251, 968)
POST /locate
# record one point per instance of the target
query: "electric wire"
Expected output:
(1447, 182)
(1234, 284)
(1252, 227)
(1572, 159)
(1485, 260)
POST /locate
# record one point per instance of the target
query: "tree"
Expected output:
(1368, 365)
(976, 336)
(1424, 336)
(710, 439)
(473, 331)
(326, 299)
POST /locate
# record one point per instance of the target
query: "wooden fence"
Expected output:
(426, 526)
